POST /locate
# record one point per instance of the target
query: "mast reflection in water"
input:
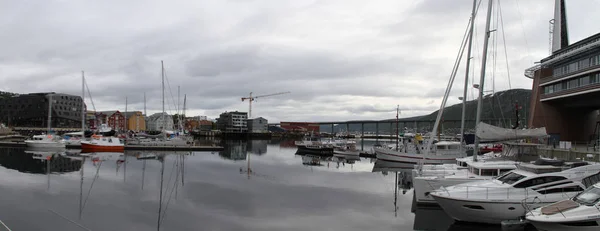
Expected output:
(208, 191)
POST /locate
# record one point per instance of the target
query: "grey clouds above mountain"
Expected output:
(341, 60)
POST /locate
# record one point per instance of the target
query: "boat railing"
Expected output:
(495, 193)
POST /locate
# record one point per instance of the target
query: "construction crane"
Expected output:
(251, 98)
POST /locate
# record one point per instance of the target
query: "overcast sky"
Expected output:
(341, 59)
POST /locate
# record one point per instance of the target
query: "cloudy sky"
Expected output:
(341, 59)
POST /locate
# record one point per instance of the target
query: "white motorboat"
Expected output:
(45, 141)
(468, 169)
(506, 197)
(73, 138)
(580, 213)
(443, 152)
(346, 150)
(424, 184)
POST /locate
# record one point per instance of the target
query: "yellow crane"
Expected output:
(251, 98)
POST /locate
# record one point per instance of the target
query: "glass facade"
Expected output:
(576, 65)
(572, 83)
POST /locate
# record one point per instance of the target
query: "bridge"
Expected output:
(418, 125)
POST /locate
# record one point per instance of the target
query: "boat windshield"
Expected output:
(510, 178)
(588, 197)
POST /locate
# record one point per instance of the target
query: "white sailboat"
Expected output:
(165, 139)
(482, 169)
(47, 140)
(75, 138)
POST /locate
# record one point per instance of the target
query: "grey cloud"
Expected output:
(400, 53)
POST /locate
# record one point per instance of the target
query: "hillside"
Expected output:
(497, 106)
(4, 94)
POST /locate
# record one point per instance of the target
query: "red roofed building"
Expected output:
(300, 126)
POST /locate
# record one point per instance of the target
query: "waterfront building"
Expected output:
(232, 122)
(114, 119)
(31, 110)
(155, 122)
(300, 126)
(257, 125)
(136, 121)
(566, 86)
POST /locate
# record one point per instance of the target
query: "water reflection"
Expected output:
(140, 190)
(239, 149)
(38, 161)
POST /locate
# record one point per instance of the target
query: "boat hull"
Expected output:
(487, 211)
(562, 226)
(413, 158)
(350, 154)
(101, 148)
(315, 150)
(424, 185)
(44, 144)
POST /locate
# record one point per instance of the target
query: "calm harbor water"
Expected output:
(43, 190)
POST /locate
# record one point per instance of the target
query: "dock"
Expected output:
(134, 147)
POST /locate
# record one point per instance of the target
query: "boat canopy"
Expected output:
(487, 132)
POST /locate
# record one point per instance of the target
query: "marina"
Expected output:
(375, 136)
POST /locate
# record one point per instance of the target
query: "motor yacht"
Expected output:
(468, 169)
(506, 197)
(580, 213)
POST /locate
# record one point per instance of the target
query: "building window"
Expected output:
(583, 64)
(573, 83)
(585, 80)
(594, 61)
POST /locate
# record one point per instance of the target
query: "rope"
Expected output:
(89, 94)
(63, 217)
(1, 222)
(505, 50)
(92, 185)
(523, 29)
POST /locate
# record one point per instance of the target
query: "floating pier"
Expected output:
(134, 147)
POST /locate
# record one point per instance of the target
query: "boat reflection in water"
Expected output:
(427, 217)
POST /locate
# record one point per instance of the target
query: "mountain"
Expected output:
(4, 94)
(497, 108)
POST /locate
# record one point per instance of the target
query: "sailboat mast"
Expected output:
(184, 105)
(145, 114)
(397, 127)
(482, 77)
(126, 127)
(49, 112)
(464, 97)
(178, 112)
(162, 70)
(82, 102)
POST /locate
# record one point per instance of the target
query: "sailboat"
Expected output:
(46, 140)
(443, 151)
(490, 165)
(75, 138)
(163, 139)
